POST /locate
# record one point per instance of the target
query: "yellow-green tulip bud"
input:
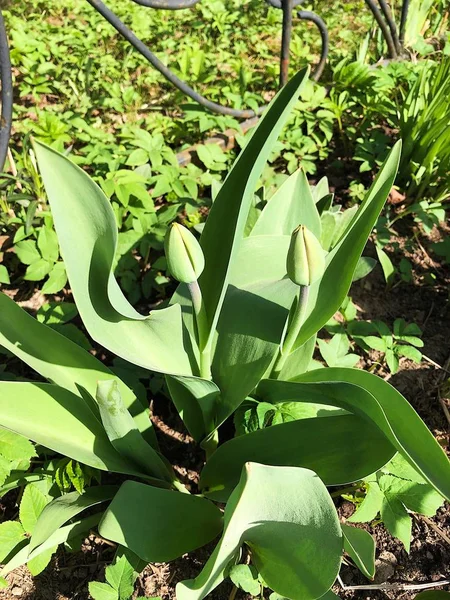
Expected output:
(306, 258)
(183, 253)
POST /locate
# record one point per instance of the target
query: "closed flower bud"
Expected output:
(306, 258)
(183, 253)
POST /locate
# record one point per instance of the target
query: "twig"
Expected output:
(434, 527)
(444, 407)
(428, 316)
(394, 586)
(434, 363)
(233, 593)
(442, 400)
(102, 539)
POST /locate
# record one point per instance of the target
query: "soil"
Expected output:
(68, 575)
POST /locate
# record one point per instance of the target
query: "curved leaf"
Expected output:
(285, 515)
(60, 360)
(196, 401)
(339, 449)
(59, 537)
(224, 228)
(87, 234)
(327, 294)
(64, 508)
(124, 435)
(159, 525)
(252, 319)
(360, 546)
(290, 206)
(61, 421)
(374, 399)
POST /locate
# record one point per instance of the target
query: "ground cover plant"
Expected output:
(241, 325)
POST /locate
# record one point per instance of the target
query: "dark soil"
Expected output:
(429, 560)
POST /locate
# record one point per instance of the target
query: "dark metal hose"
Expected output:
(6, 94)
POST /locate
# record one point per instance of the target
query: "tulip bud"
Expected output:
(305, 261)
(183, 253)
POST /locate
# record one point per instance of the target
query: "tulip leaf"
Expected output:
(58, 537)
(224, 228)
(285, 516)
(196, 400)
(376, 400)
(360, 546)
(326, 294)
(124, 435)
(64, 508)
(87, 234)
(340, 449)
(28, 408)
(60, 360)
(159, 525)
(291, 205)
(252, 320)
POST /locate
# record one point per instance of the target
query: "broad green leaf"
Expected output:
(37, 564)
(327, 293)
(64, 508)
(396, 519)
(31, 506)
(386, 265)
(19, 479)
(15, 447)
(245, 578)
(290, 206)
(47, 243)
(59, 537)
(154, 342)
(224, 228)
(57, 279)
(360, 546)
(196, 401)
(376, 400)
(120, 577)
(60, 360)
(370, 506)
(28, 408)
(38, 270)
(365, 265)
(102, 591)
(285, 516)
(340, 449)
(162, 524)
(252, 319)
(27, 252)
(4, 275)
(125, 436)
(11, 535)
(392, 495)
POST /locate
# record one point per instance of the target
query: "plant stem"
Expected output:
(297, 321)
(179, 486)
(202, 329)
(210, 444)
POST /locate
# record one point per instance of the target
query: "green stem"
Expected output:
(295, 325)
(202, 329)
(179, 486)
(210, 444)
(350, 488)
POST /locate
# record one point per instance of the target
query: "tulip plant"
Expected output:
(241, 325)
